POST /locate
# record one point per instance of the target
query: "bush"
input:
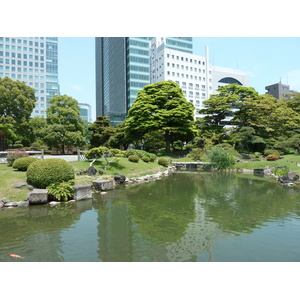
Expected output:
(61, 191)
(139, 153)
(195, 155)
(272, 151)
(163, 162)
(133, 158)
(46, 171)
(220, 159)
(145, 159)
(13, 155)
(272, 157)
(23, 163)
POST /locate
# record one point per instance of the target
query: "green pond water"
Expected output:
(191, 217)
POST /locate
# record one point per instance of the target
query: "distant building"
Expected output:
(33, 60)
(85, 111)
(122, 69)
(278, 90)
(194, 74)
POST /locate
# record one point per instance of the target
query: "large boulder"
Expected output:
(104, 185)
(82, 192)
(37, 196)
(119, 178)
(290, 177)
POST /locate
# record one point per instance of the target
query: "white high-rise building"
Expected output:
(194, 74)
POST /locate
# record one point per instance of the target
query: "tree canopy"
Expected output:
(161, 106)
(17, 101)
(64, 124)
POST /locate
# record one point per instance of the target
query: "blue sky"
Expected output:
(266, 60)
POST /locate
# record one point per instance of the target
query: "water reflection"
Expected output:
(180, 218)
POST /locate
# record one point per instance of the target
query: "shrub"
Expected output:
(257, 155)
(139, 153)
(23, 163)
(271, 157)
(220, 159)
(133, 158)
(281, 171)
(272, 151)
(163, 162)
(46, 171)
(145, 159)
(62, 191)
(195, 155)
(13, 155)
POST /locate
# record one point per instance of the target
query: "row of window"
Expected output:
(187, 76)
(19, 55)
(22, 49)
(191, 94)
(25, 41)
(186, 68)
(25, 64)
(186, 59)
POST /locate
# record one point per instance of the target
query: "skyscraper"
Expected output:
(33, 60)
(122, 69)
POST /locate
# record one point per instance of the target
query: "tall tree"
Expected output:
(160, 106)
(101, 131)
(17, 100)
(64, 124)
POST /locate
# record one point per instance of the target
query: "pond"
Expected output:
(186, 217)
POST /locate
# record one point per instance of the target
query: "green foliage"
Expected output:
(220, 159)
(161, 106)
(163, 161)
(13, 155)
(95, 153)
(229, 149)
(137, 152)
(133, 158)
(62, 191)
(64, 124)
(257, 155)
(145, 159)
(195, 155)
(101, 131)
(280, 171)
(22, 163)
(46, 171)
(17, 101)
(272, 152)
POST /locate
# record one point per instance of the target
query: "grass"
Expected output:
(290, 161)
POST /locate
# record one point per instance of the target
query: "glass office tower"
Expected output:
(122, 69)
(33, 60)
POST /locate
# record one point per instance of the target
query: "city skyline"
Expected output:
(267, 60)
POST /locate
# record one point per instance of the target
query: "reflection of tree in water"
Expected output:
(34, 231)
(164, 209)
(239, 204)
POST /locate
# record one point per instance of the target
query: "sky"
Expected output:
(266, 60)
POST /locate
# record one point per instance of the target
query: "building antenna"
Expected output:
(280, 80)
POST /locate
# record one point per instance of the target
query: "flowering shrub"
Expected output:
(271, 157)
(13, 155)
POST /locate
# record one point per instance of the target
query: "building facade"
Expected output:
(85, 111)
(33, 60)
(278, 90)
(122, 69)
(197, 78)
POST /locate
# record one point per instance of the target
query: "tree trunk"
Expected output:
(167, 139)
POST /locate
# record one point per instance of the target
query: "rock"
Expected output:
(1, 204)
(290, 177)
(91, 171)
(82, 192)
(119, 178)
(4, 200)
(53, 203)
(37, 196)
(11, 204)
(23, 203)
(19, 184)
(103, 185)
(30, 187)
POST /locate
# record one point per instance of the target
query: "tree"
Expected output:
(101, 131)
(64, 124)
(17, 100)
(221, 105)
(160, 106)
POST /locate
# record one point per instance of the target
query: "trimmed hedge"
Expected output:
(145, 159)
(42, 173)
(133, 158)
(163, 162)
(14, 155)
(23, 163)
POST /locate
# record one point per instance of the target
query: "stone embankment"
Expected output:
(81, 192)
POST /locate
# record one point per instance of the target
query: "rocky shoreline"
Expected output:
(81, 192)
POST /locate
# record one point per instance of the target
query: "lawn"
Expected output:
(290, 161)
